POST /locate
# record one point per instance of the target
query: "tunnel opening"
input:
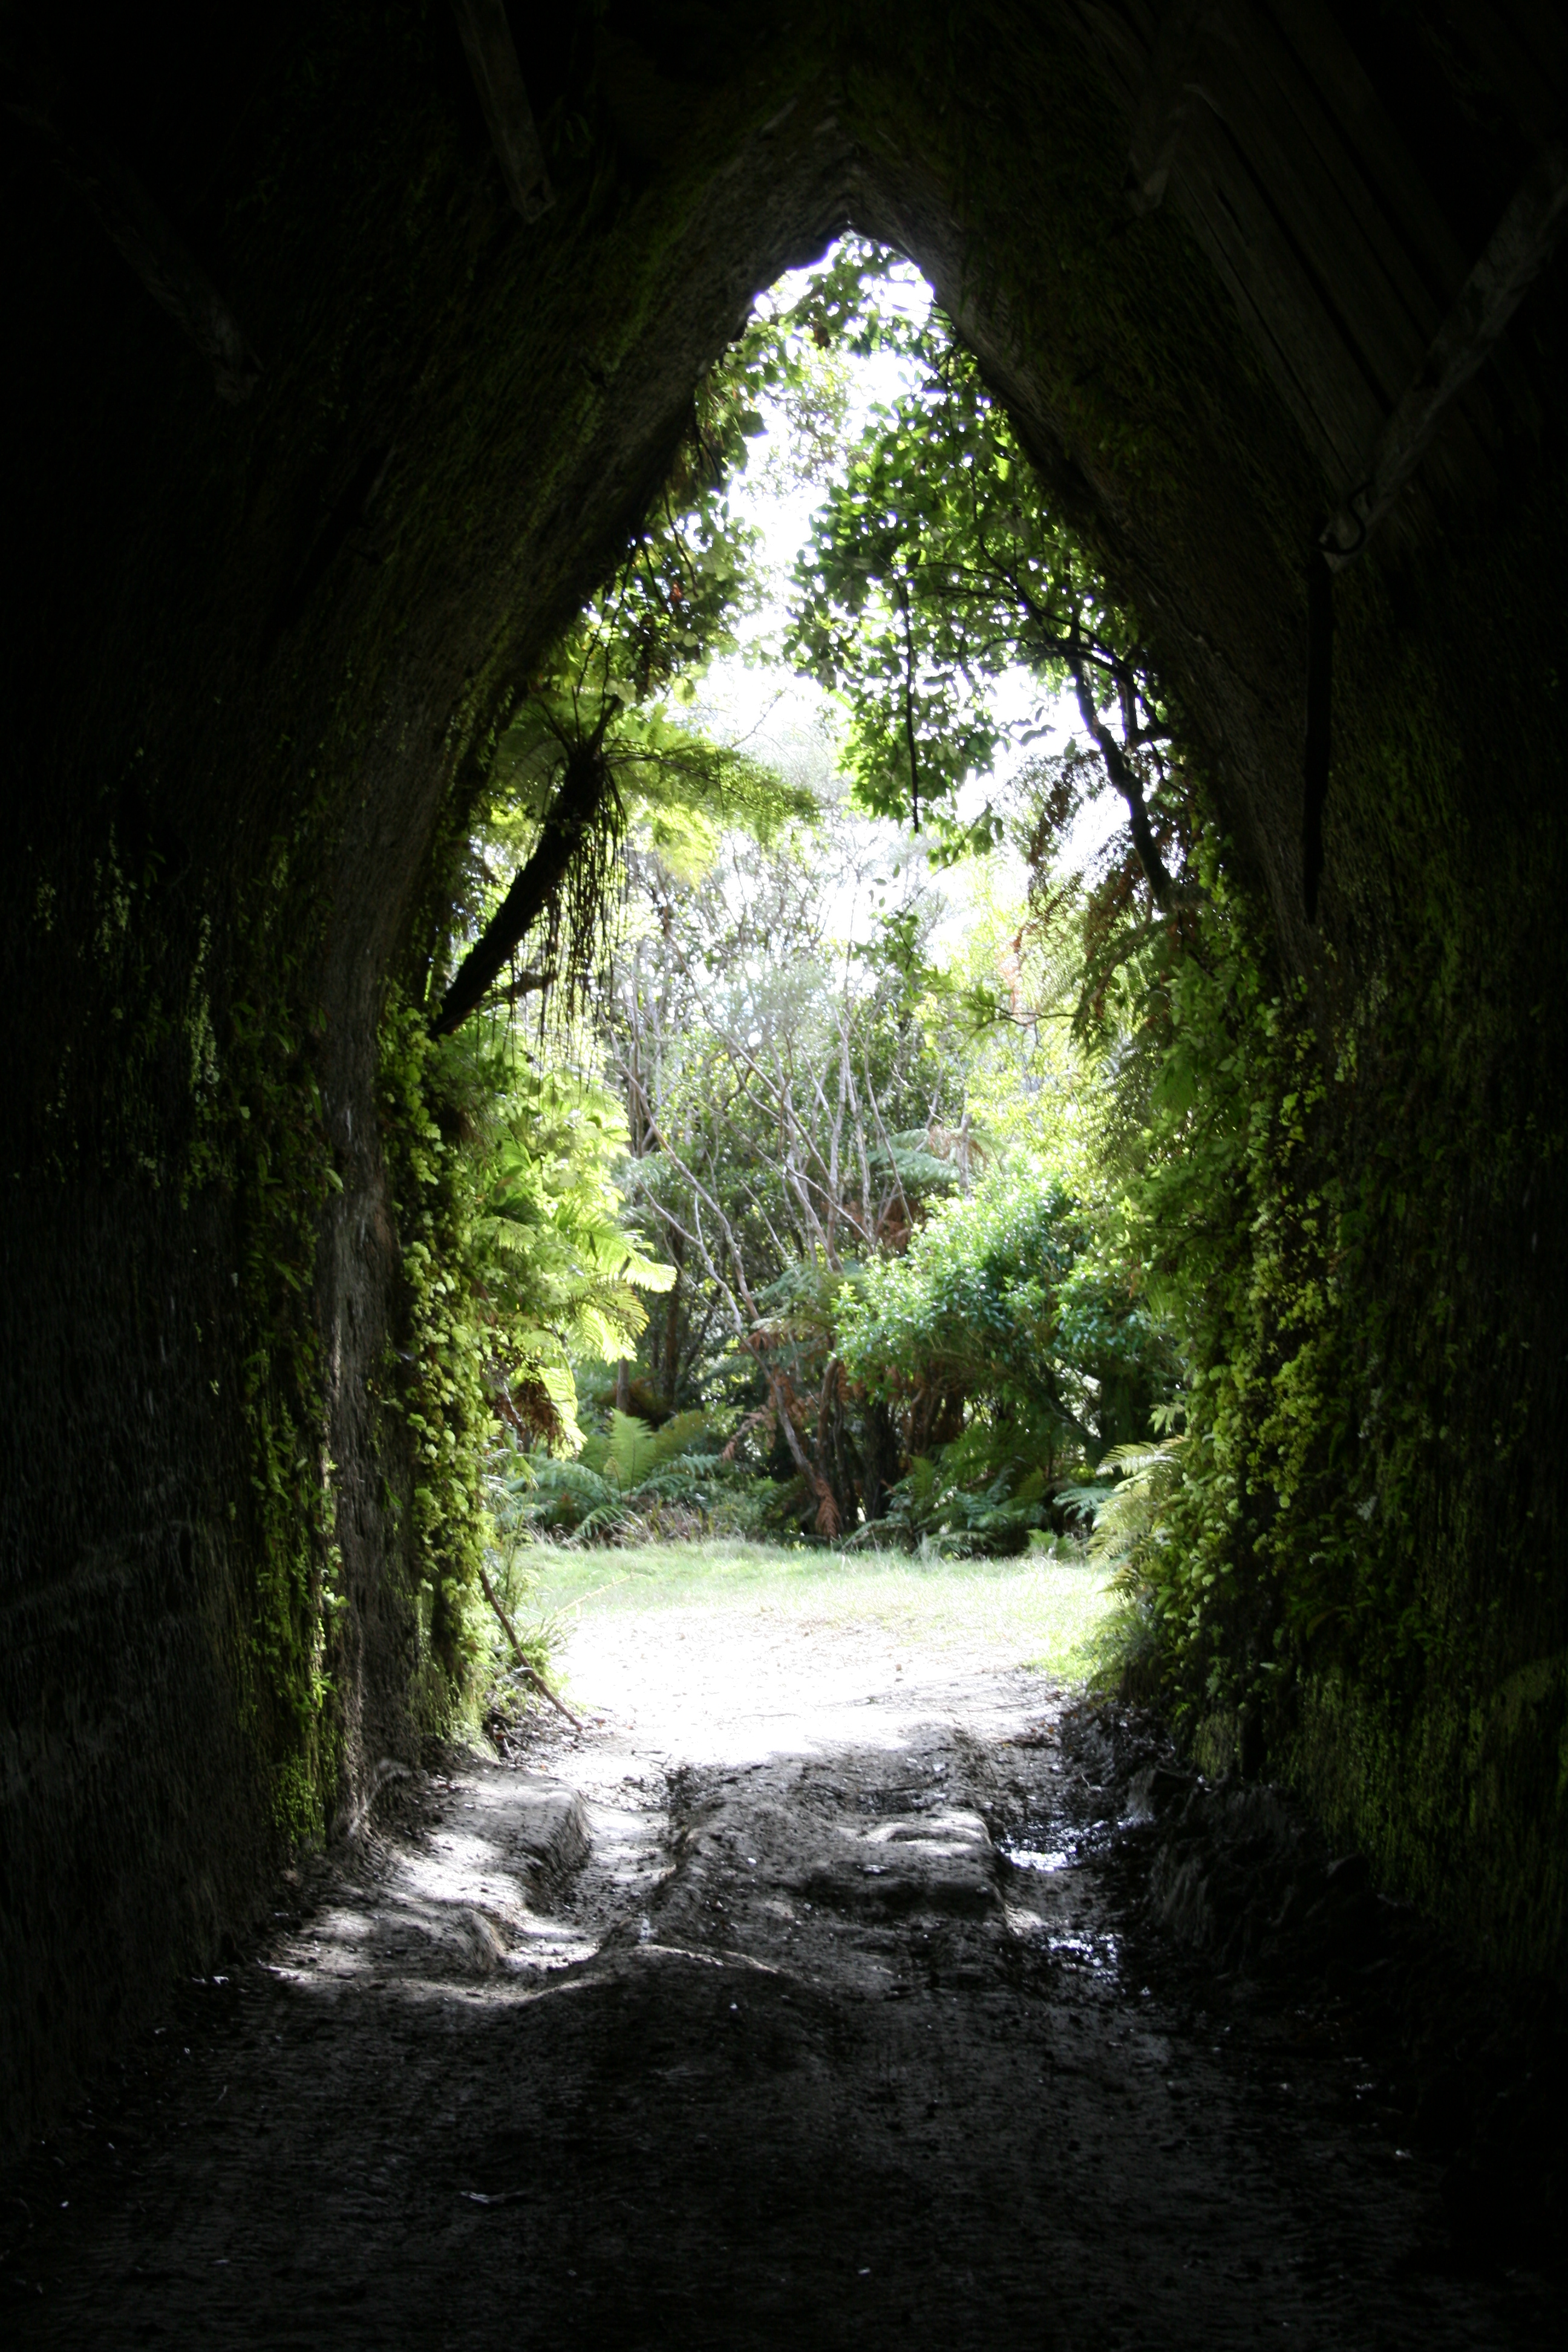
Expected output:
(253, 675)
(773, 946)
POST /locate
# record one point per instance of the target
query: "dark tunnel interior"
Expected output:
(332, 406)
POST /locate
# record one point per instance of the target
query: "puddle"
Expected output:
(1034, 1857)
(1087, 1951)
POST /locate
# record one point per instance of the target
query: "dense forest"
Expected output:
(879, 1129)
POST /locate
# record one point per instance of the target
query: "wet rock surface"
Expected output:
(853, 2008)
(1473, 2072)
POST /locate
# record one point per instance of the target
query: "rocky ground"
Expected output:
(820, 1994)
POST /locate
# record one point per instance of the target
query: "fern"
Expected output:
(552, 1273)
(921, 1482)
(632, 1450)
(1131, 1523)
(679, 1435)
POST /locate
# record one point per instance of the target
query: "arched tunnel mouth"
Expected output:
(399, 353)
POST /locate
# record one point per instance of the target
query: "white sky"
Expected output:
(752, 697)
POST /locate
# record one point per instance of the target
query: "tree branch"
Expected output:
(1123, 775)
(910, 705)
(584, 789)
(529, 1673)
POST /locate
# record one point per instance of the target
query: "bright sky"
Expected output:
(784, 718)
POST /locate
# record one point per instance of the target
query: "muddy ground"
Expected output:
(814, 1997)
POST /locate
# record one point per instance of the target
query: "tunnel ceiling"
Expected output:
(1204, 249)
(1341, 207)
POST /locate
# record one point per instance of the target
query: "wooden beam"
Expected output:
(1520, 249)
(1521, 246)
(1165, 100)
(148, 241)
(498, 78)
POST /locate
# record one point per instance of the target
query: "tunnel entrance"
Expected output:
(796, 925)
(337, 409)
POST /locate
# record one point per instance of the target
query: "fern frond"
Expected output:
(632, 1449)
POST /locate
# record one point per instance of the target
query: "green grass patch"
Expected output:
(1043, 1610)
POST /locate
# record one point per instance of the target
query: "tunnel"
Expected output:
(349, 345)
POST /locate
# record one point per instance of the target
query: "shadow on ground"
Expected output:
(851, 2031)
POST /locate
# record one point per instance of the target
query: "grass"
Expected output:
(1043, 1610)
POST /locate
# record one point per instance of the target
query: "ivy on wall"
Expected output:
(432, 1374)
(1337, 1584)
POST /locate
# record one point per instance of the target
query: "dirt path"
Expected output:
(803, 2003)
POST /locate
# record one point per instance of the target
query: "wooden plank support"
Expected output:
(1520, 249)
(498, 78)
(1521, 245)
(1166, 99)
(171, 273)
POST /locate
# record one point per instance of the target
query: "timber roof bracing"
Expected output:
(1260, 123)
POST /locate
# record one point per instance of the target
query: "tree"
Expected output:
(789, 1120)
(937, 569)
(1005, 1341)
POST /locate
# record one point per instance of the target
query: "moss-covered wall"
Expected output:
(1437, 1735)
(251, 650)
(242, 690)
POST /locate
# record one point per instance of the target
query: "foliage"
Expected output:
(515, 1264)
(638, 1485)
(937, 568)
(1130, 1513)
(1008, 1351)
(1242, 1542)
(1131, 1505)
(966, 1500)
(556, 1271)
(598, 726)
(797, 1112)
(1002, 1297)
(629, 1451)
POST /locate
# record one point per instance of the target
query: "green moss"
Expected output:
(1351, 1193)
(259, 1140)
(432, 1378)
(1372, 1558)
